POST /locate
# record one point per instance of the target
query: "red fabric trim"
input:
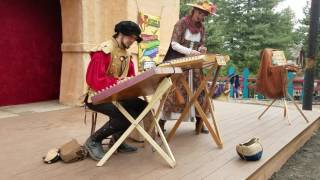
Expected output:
(96, 76)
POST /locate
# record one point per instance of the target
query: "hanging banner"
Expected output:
(148, 51)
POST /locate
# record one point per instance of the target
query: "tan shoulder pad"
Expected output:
(106, 47)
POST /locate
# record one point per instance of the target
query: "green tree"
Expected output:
(245, 27)
(251, 26)
(302, 36)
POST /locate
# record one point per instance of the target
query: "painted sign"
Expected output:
(278, 58)
(148, 51)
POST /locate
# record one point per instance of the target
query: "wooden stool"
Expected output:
(94, 116)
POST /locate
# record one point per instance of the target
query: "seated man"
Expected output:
(109, 63)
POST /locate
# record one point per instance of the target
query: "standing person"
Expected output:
(188, 39)
(109, 63)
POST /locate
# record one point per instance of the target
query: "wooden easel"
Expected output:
(213, 130)
(279, 59)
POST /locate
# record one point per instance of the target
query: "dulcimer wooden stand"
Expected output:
(213, 62)
(155, 82)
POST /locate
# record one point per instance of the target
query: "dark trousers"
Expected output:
(118, 123)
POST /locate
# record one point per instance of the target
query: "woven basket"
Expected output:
(250, 150)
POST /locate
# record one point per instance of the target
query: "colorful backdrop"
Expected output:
(148, 51)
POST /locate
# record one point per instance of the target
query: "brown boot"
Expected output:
(199, 126)
(161, 124)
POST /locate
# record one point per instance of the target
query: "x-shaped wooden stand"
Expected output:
(214, 131)
(160, 91)
(285, 106)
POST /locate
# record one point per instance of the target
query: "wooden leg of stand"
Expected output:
(157, 114)
(285, 111)
(214, 133)
(284, 108)
(211, 109)
(296, 105)
(177, 124)
(183, 114)
(165, 143)
(188, 105)
(116, 145)
(162, 88)
(210, 93)
(267, 108)
(148, 124)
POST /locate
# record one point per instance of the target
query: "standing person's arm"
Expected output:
(177, 35)
(202, 47)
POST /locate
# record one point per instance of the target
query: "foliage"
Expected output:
(245, 27)
(302, 36)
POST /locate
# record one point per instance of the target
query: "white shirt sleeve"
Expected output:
(179, 48)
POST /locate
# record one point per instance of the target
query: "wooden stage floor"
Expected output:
(26, 138)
